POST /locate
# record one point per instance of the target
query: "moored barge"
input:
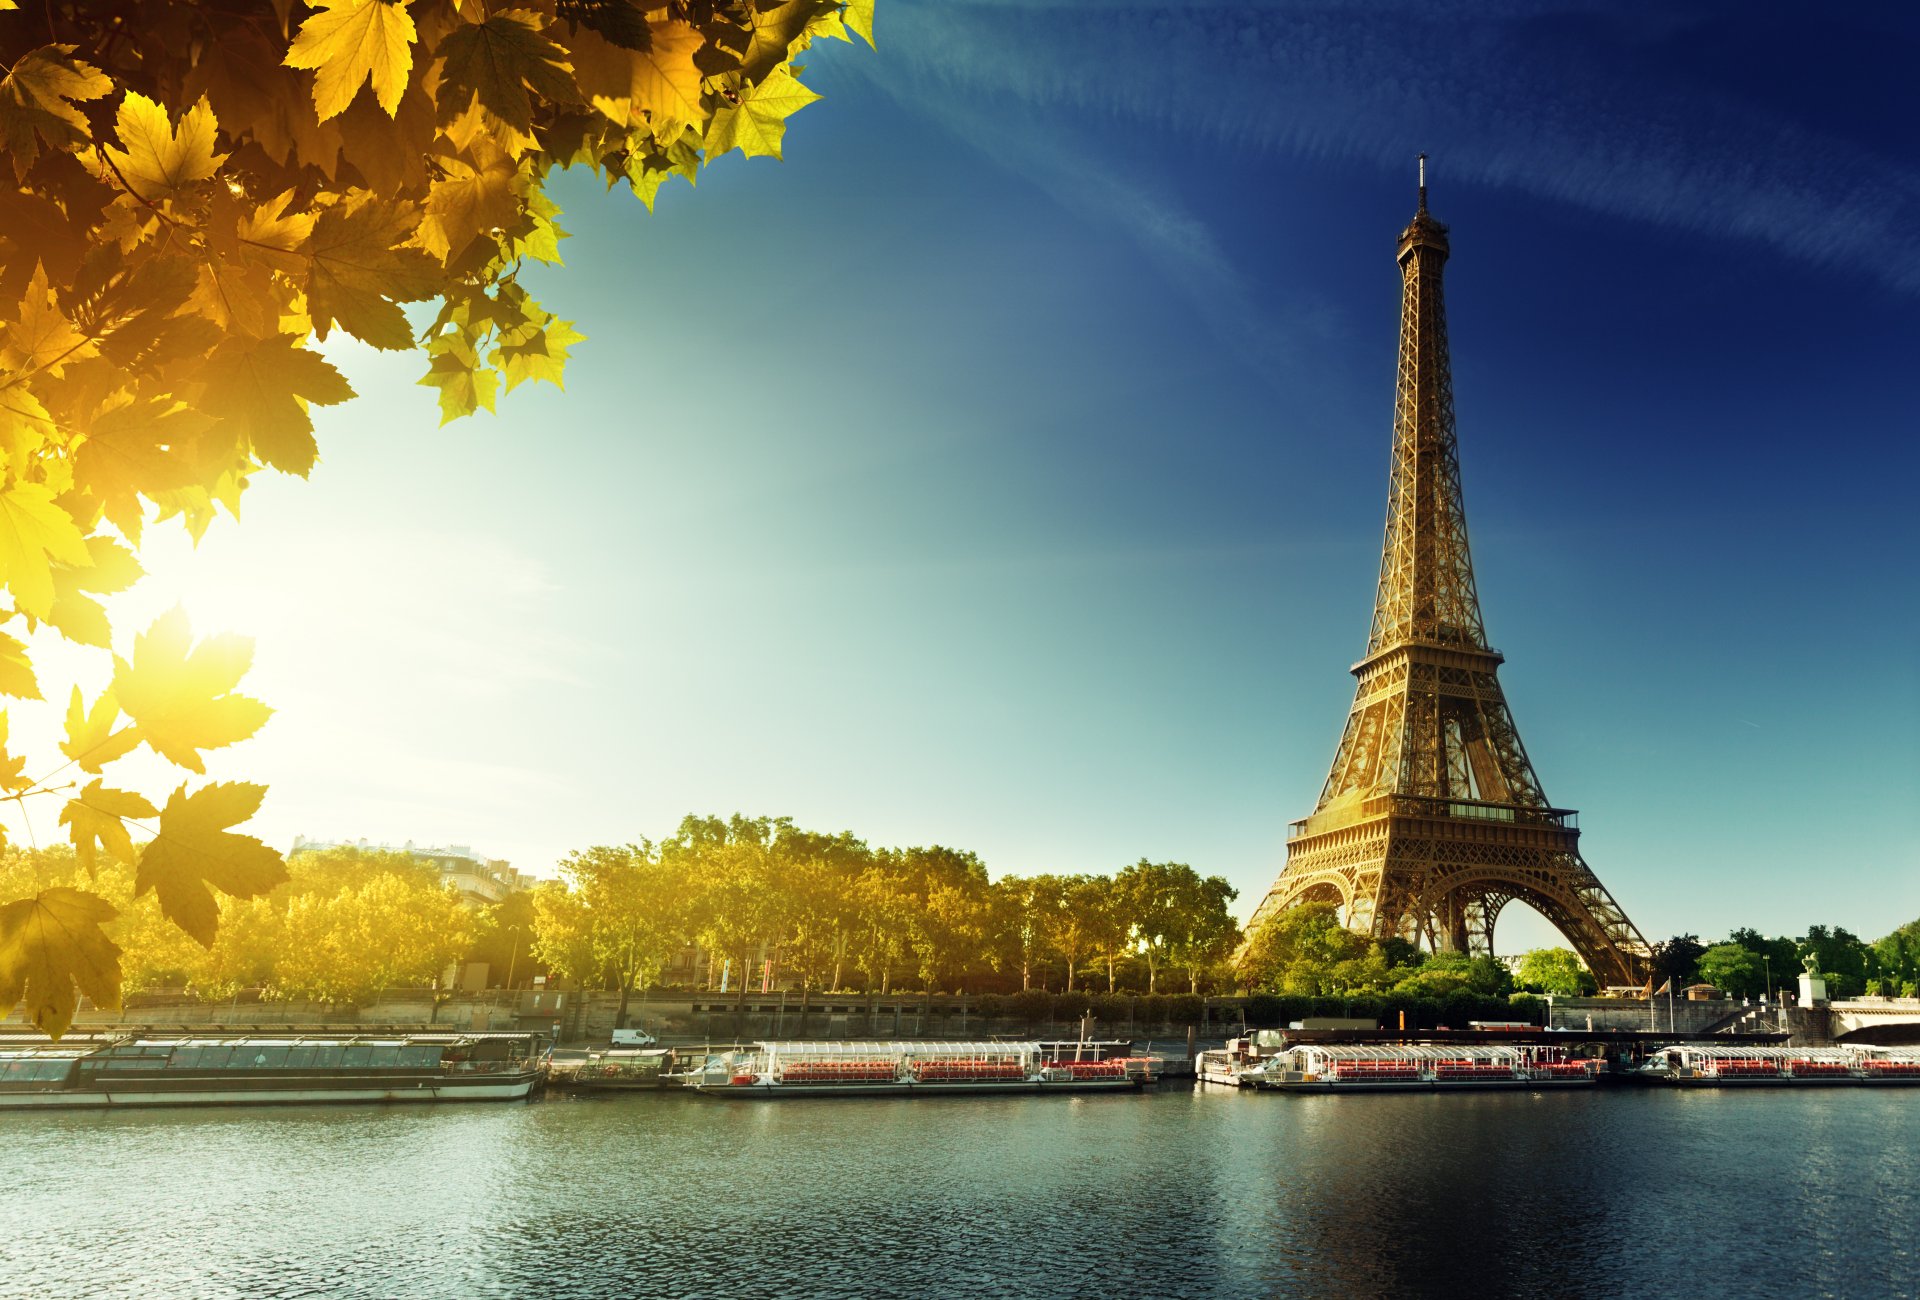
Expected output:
(810, 1069)
(210, 1070)
(1711, 1065)
(1358, 1067)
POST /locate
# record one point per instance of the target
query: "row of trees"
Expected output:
(1746, 963)
(1307, 953)
(833, 913)
(343, 926)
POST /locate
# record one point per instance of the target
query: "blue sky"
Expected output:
(1007, 468)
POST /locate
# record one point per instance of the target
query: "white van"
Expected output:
(633, 1037)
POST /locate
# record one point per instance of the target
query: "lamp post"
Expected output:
(513, 954)
(1767, 958)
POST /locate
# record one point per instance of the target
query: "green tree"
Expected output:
(1555, 970)
(1023, 910)
(1779, 956)
(636, 907)
(1733, 968)
(1677, 959)
(1840, 956)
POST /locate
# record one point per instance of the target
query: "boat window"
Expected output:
(215, 1057)
(299, 1058)
(327, 1058)
(385, 1057)
(268, 1058)
(419, 1055)
(355, 1056)
(55, 1069)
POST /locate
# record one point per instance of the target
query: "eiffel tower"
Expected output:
(1432, 819)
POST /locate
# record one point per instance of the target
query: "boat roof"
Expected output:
(896, 1047)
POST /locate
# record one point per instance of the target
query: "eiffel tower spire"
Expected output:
(1432, 818)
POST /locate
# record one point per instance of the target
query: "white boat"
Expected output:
(811, 1069)
(1243, 1061)
(1713, 1065)
(222, 1070)
(1373, 1067)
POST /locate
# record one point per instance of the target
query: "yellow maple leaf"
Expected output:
(16, 670)
(497, 62)
(51, 945)
(757, 123)
(11, 767)
(261, 388)
(37, 103)
(40, 337)
(358, 273)
(25, 424)
(91, 739)
(32, 528)
(157, 159)
(181, 696)
(78, 616)
(351, 42)
(96, 819)
(474, 194)
(194, 853)
(465, 385)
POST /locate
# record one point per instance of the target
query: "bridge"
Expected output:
(1889, 1021)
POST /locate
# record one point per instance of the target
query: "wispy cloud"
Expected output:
(1558, 103)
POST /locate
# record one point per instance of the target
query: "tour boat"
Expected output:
(217, 1070)
(1711, 1065)
(807, 1069)
(1243, 1062)
(1357, 1067)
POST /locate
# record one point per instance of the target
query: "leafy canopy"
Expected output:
(192, 195)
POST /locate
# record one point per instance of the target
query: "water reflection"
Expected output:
(1203, 1194)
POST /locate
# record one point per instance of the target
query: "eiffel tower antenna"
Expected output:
(1432, 818)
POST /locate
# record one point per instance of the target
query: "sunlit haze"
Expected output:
(1006, 470)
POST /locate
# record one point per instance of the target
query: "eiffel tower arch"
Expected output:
(1432, 819)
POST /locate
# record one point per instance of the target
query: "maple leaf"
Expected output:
(11, 779)
(16, 670)
(78, 616)
(133, 446)
(37, 99)
(261, 387)
(91, 740)
(780, 29)
(465, 385)
(40, 337)
(159, 159)
(358, 275)
(194, 853)
(50, 946)
(24, 423)
(536, 352)
(860, 18)
(96, 817)
(497, 62)
(181, 696)
(33, 528)
(757, 123)
(660, 83)
(476, 194)
(351, 42)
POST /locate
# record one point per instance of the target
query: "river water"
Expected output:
(1174, 1192)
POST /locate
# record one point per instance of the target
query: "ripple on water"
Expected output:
(1174, 1193)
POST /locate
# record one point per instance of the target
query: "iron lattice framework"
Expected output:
(1432, 819)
